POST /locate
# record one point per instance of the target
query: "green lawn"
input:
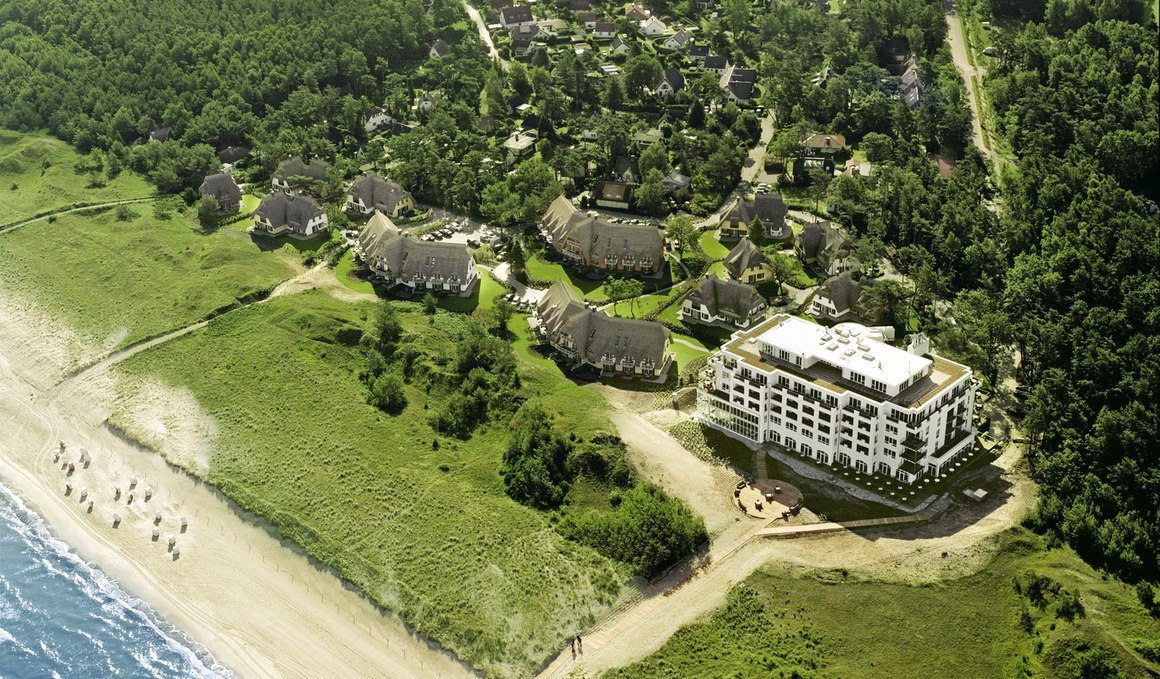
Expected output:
(482, 298)
(38, 175)
(784, 622)
(712, 247)
(684, 353)
(367, 493)
(346, 273)
(121, 281)
(592, 290)
(250, 203)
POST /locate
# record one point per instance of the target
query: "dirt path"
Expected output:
(955, 544)
(33, 220)
(973, 82)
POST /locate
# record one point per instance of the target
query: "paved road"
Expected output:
(753, 166)
(971, 73)
(484, 34)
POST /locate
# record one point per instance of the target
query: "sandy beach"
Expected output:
(257, 605)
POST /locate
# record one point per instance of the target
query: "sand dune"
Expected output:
(260, 607)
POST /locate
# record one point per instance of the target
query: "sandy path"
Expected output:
(261, 608)
(911, 553)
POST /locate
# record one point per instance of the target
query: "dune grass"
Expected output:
(123, 279)
(38, 175)
(418, 521)
(782, 623)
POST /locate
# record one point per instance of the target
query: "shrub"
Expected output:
(387, 394)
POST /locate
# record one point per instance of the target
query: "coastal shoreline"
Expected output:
(259, 607)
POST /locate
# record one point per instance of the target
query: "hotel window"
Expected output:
(807, 434)
(891, 442)
(879, 386)
(807, 422)
(824, 440)
(791, 415)
(791, 426)
(807, 410)
(777, 421)
(863, 438)
(858, 378)
(863, 450)
(892, 429)
(824, 428)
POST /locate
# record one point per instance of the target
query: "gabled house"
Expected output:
(409, 265)
(679, 40)
(522, 37)
(371, 193)
(738, 84)
(668, 83)
(619, 46)
(592, 243)
(376, 118)
(614, 195)
(521, 144)
(823, 143)
(841, 299)
(552, 27)
(645, 138)
(653, 26)
(588, 19)
(635, 12)
(604, 30)
(585, 336)
(676, 185)
(426, 101)
(519, 15)
(580, 5)
(746, 263)
(724, 302)
(698, 52)
(439, 49)
(769, 210)
(624, 169)
(222, 188)
(913, 83)
(715, 64)
(823, 246)
(293, 173)
(291, 214)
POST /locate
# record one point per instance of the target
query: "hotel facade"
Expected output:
(840, 397)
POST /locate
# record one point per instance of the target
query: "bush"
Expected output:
(649, 530)
(387, 394)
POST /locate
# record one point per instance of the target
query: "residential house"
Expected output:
(291, 214)
(635, 12)
(715, 64)
(828, 144)
(645, 138)
(609, 69)
(767, 209)
(409, 265)
(679, 40)
(669, 83)
(589, 337)
(893, 55)
(519, 15)
(604, 30)
(738, 84)
(698, 52)
(439, 49)
(653, 27)
(913, 84)
(232, 154)
(590, 242)
(521, 144)
(552, 27)
(841, 298)
(746, 263)
(426, 101)
(677, 186)
(293, 173)
(724, 302)
(376, 118)
(588, 19)
(223, 189)
(580, 5)
(624, 169)
(372, 193)
(840, 397)
(614, 195)
(823, 246)
(619, 46)
(522, 37)
(159, 134)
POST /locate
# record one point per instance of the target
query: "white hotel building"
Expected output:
(839, 397)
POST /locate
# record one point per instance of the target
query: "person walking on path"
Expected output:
(573, 647)
(580, 644)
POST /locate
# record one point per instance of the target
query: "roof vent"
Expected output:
(868, 357)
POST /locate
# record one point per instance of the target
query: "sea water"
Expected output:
(60, 617)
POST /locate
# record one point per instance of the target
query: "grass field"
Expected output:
(712, 247)
(120, 281)
(38, 175)
(592, 290)
(782, 623)
(424, 529)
